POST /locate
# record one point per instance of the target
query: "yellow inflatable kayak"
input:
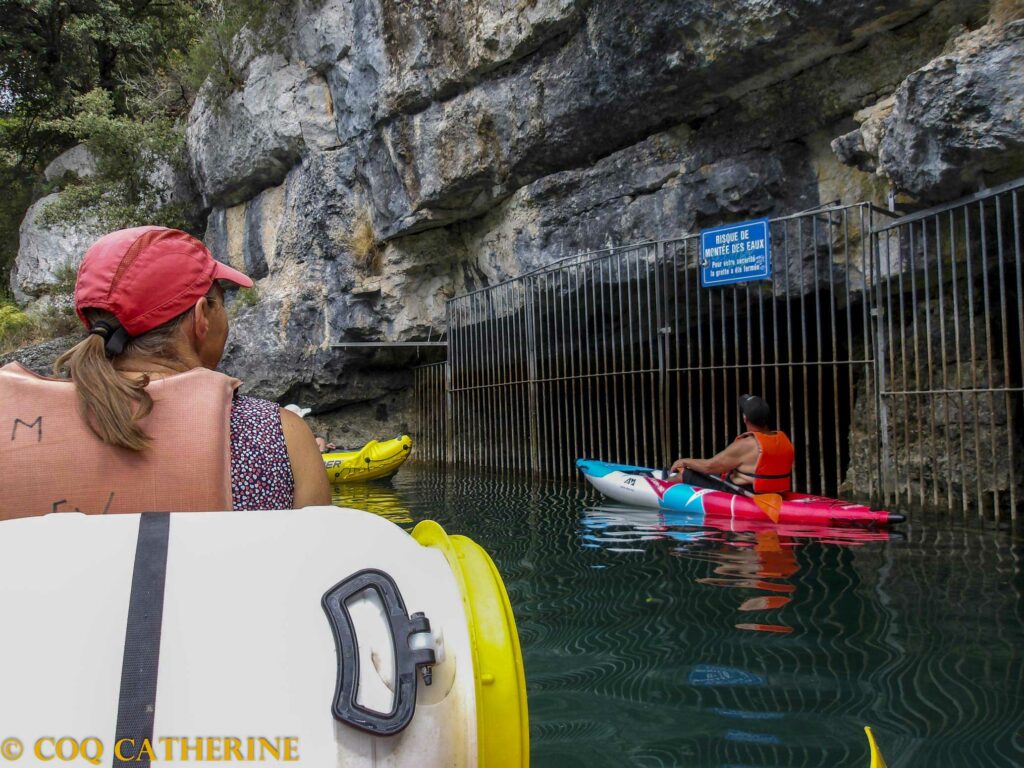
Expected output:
(373, 461)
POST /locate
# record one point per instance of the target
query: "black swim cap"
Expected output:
(756, 410)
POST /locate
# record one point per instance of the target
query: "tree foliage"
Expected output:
(120, 76)
(133, 152)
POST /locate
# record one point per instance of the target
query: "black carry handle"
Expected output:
(344, 708)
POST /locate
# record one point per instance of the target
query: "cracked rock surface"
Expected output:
(386, 155)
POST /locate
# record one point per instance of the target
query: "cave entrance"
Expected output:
(889, 348)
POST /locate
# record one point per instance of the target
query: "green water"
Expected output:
(653, 643)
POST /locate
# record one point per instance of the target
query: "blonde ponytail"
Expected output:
(112, 404)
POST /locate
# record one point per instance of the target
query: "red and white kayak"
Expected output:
(646, 487)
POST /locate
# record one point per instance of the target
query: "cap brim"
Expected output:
(224, 272)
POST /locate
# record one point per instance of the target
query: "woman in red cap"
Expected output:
(146, 422)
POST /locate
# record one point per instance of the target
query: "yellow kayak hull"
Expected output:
(374, 461)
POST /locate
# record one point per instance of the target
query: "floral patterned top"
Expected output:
(261, 474)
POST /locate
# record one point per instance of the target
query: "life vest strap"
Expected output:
(762, 477)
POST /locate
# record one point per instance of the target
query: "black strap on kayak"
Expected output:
(136, 706)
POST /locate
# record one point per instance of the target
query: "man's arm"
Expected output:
(726, 461)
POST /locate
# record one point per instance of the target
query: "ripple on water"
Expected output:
(652, 641)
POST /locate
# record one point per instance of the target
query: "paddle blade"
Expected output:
(877, 761)
(770, 504)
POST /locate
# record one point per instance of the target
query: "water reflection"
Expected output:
(745, 554)
(628, 623)
(377, 497)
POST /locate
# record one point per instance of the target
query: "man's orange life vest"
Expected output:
(50, 461)
(775, 464)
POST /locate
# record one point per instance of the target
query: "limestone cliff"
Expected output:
(389, 154)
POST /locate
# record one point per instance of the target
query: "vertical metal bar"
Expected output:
(803, 352)
(944, 361)
(865, 233)
(476, 452)
(973, 367)
(500, 375)
(683, 400)
(712, 363)
(542, 346)
(959, 377)
(472, 429)
(489, 391)
(834, 309)
(603, 305)
(903, 362)
(721, 369)
(929, 408)
(631, 426)
(651, 415)
(916, 398)
(701, 297)
(454, 346)
(550, 360)
(1011, 415)
(884, 363)
(498, 379)
(562, 395)
(662, 340)
(754, 354)
(1006, 384)
(454, 374)
(576, 363)
(943, 355)
(517, 391)
(473, 380)
(764, 362)
(776, 348)
(602, 394)
(680, 396)
(819, 354)
(990, 378)
(851, 368)
(789, 346)
(532, 374)
(583, 329)
(484, 416)
(504, 378)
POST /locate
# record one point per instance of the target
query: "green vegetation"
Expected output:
(119, 76)
(14, 324)
(19, 329)
(130, 151)
(362, 241)
(245, 297)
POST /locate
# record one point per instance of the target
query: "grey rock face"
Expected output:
(482, 142)
(953, 123)
(40, 357)
(77, 161)
(46, 255)
(457, 105)
(250, 140)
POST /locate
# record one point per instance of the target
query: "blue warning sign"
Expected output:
(735, 253)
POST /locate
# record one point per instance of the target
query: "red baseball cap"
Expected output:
(145, 276)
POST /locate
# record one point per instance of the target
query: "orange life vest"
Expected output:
(52, 461)
(774, 468)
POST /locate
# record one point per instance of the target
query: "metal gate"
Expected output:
(620, 354)
(950, 329)
(889, 348)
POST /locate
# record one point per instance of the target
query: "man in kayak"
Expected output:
(760, 459)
